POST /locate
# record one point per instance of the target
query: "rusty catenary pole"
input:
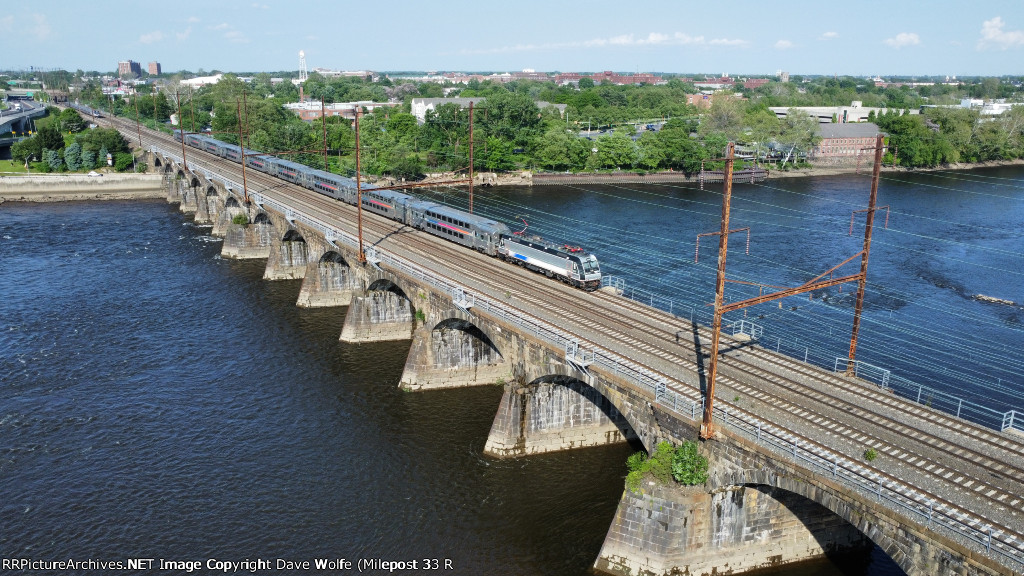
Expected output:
(241, 146)
(359, 194)
(137, 126)
(864, 256)
(181, 127)
(470, 156)
(707, 428)
(323, 117)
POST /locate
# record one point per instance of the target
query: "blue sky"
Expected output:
(934, 37)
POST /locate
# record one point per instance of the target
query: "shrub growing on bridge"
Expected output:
(684, 464)
(688, 466)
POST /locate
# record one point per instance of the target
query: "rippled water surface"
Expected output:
(157, 401)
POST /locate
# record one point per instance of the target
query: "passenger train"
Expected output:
(569, 264)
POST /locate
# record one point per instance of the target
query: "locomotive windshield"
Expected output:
(590, 265)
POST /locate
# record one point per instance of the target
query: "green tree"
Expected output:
(73, 156)
(511, 117)
(499, 155)
(53, 160)
(123, 161)
(71, 121)
(586, 82)
(88, 159)
(797, 131)
(616, 151)
(27, 149)
(559, 149)
(50, 138)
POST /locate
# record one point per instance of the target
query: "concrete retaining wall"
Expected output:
(61, 188)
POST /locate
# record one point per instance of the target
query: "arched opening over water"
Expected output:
(568, 399)
(384, 285)
(459, 343)
(293, 235)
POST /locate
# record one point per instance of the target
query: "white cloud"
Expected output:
(728, 42)
(7, 24)
(235, 36)
(624, 40)
(193, 20)
(41, 28)
(828, 36)
(258, 5)
(182, 36)
(903, 39)
(155, 36)
(221, 26)
(783, 45)
(993, 35)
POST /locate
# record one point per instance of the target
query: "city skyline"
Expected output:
(663, 37)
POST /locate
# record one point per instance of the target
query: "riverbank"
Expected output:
(72, 187)
(866, 170)
(528, 178)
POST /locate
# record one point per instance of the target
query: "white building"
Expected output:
(201, 81)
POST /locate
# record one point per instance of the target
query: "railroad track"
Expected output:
(649, 332)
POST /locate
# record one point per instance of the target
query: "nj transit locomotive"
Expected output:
(570, 265)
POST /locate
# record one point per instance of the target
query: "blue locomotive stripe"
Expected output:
(520, 256)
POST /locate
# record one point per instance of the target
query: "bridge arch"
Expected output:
(293, 235)
(231, 202)
(333, 271)
(263, 219)
(385, 285)
(458, 343)
(555, 412)
(887, 534)
(211, 190)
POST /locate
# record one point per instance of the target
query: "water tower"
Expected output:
(303, 74)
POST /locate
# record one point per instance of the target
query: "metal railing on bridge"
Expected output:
(1010, 420)
(899, 495)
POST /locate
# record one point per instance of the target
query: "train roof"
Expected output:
(465, 216)
(393, 195)
(551, 247)
(338, 178)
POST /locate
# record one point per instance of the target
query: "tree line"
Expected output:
(603, 127)
(80, 149)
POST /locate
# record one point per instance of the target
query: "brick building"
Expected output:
(845, 143)
(129, 68)
(154, 68)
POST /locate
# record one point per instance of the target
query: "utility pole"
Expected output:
(470, 156)
(181, 126)
(323, 117)
(706, 428)
(359, 195)
(241, 146)
(864, 255)
(137, 118)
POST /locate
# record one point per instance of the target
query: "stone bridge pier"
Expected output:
(250, 240)
(329, 280)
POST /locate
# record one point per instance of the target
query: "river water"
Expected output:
(159, 402)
